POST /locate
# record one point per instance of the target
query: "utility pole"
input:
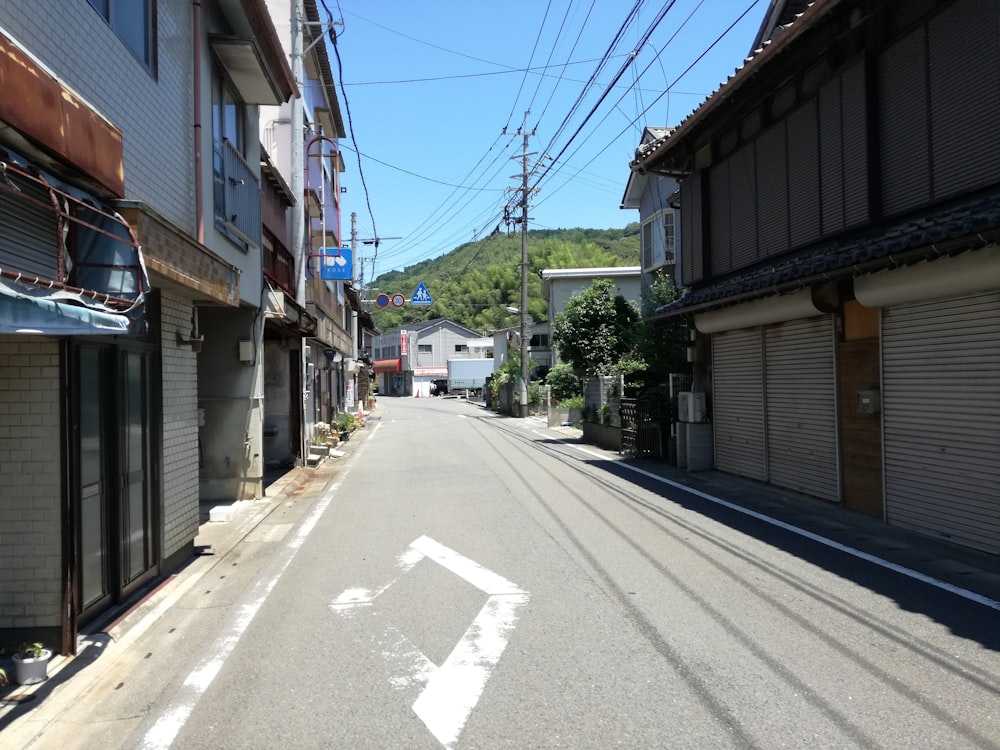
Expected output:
(364, 241)
(299, 215)
(298, 162)
(525, 337)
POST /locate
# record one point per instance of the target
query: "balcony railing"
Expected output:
(237, 195)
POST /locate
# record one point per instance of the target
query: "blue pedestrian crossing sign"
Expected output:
(421, 296)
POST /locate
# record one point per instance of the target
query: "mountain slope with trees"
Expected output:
(475, 283)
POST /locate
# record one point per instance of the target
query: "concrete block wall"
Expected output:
(30, 487)
(180, 427)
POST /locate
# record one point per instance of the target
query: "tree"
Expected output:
(596, 334)
(564, 381)
(662, 344)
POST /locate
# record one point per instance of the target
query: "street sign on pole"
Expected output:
(421, 296)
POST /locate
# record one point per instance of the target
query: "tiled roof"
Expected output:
(946, 233)
(791, 15)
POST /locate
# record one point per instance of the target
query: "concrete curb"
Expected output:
(69, 676)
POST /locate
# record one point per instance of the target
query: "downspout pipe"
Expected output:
(199, 208)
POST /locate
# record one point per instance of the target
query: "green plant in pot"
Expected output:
(31, 663)
(346, 422)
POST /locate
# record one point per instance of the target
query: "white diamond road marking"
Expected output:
(452, 689)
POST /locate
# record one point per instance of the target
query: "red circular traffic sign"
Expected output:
(382, 300)
(398, 300)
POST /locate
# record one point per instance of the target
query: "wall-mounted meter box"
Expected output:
(691, 406)
(869, 401)
(246, 350)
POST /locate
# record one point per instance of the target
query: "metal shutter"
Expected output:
(904, 140)
(738, 404)
(941, 418)
(965, 96)
(801, 407)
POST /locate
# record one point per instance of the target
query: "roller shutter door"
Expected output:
(801, 407)
(941, 418)
(738, 402)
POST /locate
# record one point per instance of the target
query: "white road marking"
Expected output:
(861, 555)
(452, 690)
(166, 728)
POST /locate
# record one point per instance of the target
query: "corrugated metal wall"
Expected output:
(801, 407)
(964, 73)
(904, 140)
(772, 192)
(28, 230)
(854, 124)
(720, 209)
(738, 403)
(941, 393)
(743, 202)
(803, 177)
(692, 260)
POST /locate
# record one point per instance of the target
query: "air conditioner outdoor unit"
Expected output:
(691, 406)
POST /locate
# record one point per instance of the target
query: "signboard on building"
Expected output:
(336, 264)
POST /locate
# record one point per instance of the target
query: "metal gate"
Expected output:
(642, 429)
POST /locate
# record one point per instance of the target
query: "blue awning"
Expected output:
(53, 315)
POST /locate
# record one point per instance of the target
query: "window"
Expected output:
(426, 348)
(461, 348)
(236, 189)
(228, 115)
(133, 22)
(658, 240)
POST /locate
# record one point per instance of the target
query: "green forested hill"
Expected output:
(475, 282)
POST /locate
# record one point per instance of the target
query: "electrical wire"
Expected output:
(676, 80)
(350, 120)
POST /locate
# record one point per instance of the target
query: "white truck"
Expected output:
(468, 374)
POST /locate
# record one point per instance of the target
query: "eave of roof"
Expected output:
(648, 154)
(964, 227)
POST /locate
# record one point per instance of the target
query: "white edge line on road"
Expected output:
(166, 728)
(901, 569)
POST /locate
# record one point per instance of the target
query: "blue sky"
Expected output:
(435, 93)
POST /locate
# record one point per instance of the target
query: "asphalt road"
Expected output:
(472, 581)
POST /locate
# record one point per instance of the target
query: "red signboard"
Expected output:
(403, 342)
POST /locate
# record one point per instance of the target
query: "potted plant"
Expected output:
(345, 424)
(31, 663)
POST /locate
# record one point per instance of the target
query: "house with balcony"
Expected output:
(840, 217)
(130, 257)
(313, 371)
(654, 198)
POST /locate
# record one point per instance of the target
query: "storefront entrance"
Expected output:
(113, 516)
